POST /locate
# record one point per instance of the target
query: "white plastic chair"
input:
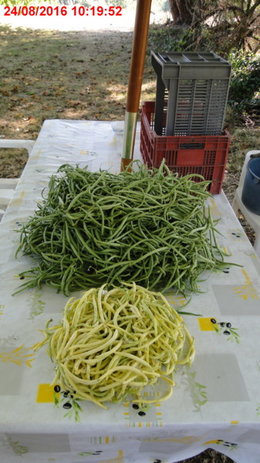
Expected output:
(8, 185)
(251, 218)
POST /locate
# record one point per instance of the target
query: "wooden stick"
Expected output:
(142, 17)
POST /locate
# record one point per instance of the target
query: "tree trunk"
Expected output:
(182, 11)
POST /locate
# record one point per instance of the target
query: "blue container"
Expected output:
(251, 188)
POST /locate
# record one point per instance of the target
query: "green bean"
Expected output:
(148, 226)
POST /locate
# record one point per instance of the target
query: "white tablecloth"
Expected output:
(215, 403)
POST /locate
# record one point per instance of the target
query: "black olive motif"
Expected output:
(67, 405)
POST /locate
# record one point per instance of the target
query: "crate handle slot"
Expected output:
(192, 146)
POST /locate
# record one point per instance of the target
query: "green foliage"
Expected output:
(168, 38)
(183, 38)
(227, 23)
(245, 81)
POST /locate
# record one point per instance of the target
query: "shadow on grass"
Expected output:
(68, 75)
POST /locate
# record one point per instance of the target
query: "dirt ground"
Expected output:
(71, 75)
(61, 75)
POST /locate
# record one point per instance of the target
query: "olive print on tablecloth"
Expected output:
(68, 402)
(225, 328)
(141, 416)
(237, 234)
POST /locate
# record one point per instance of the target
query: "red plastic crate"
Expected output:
(193, 154)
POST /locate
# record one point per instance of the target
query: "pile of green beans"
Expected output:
(94, 228)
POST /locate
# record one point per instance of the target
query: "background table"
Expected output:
(216, 402)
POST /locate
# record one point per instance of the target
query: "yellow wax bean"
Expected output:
(114, 343)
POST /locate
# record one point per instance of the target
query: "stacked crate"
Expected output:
(185, 124)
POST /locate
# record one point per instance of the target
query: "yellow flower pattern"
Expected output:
(18, 356)
(247, 290)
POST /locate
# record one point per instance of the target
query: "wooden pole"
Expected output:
(142, 18)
